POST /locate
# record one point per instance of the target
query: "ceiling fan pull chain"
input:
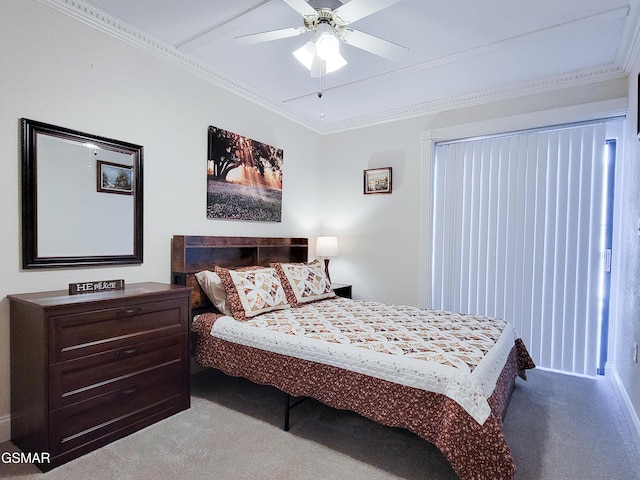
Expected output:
(320, 91)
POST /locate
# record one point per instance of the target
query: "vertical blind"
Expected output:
(516, 235)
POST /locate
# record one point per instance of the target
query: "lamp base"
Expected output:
(326, 269)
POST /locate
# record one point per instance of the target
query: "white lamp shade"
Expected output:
(327, 247)
(327, 46)
(306, 54)
(330, 60)
(334, 63)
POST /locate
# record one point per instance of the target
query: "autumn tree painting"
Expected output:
(244, 178)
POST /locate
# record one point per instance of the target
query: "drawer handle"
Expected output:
(127, 312)
(128, 391)
(127, 352)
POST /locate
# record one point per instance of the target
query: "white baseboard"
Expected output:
(626, 401)
(5, 428)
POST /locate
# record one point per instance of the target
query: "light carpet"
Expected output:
(557, 426)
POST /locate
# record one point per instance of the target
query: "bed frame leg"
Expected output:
(287, 409)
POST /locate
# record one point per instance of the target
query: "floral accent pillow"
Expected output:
(304, 282)
(251, 292)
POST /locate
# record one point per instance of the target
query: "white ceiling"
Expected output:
(461, 52)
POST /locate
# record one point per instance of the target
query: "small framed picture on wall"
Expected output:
(377, 180)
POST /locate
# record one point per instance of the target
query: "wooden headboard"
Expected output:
(192, 254)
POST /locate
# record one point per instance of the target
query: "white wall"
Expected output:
(625, 293)
(57, 70)
(384, 238)
(378, 233)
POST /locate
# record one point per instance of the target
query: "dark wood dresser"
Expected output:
(89, 369)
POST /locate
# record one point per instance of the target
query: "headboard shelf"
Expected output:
(191, 254)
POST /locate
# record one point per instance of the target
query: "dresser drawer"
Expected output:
(94, 331)
(140, 397)
(83, 378)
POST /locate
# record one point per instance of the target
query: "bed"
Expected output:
(446, 377)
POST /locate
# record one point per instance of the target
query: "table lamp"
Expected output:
(326, 247)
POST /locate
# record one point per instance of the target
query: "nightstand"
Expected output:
(342, 290)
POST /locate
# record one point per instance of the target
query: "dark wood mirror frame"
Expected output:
(30, 256)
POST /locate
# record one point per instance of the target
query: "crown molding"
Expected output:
(167, 52)
(574, 79)
(603, 110)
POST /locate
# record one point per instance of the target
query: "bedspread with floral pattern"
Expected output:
(460, 356)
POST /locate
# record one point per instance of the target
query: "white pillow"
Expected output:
(211, 283)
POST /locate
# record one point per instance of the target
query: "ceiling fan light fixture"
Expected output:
(321, 54)
(327, 46)
(334, 63)
(306, 54)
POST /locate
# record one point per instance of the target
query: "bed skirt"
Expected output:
(474, 451)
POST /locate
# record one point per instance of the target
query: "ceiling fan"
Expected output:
(321, 54)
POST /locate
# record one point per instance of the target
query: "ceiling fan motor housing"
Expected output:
(324, 16)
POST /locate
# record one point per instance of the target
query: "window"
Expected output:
(517, 233)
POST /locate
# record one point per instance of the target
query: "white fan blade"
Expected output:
(357, 9)
(271, 35)
(376, 45)
(302, 7)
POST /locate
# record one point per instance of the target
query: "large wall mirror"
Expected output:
(81, 198)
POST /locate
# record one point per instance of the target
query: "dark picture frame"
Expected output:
(40, 147)
(114, 178)
(377, 180)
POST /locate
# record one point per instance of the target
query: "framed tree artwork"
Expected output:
(244, 178)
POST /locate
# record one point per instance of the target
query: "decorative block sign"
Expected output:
(95, 287)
